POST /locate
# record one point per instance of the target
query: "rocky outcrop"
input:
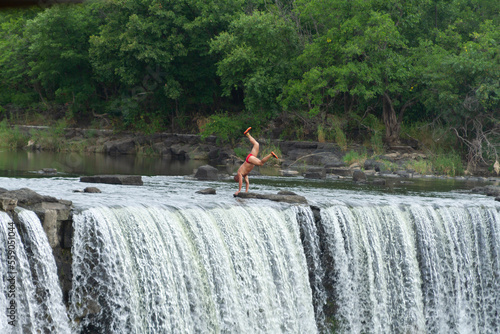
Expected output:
(133, 180)
(56, 218)
(293, 199)
(358, 176)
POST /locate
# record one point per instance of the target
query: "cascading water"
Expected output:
(237, 269)
(31, 293)
(414, 268)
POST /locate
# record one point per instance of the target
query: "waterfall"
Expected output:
(414, 268)
(353, 266)
(30, 286)
(236, 269)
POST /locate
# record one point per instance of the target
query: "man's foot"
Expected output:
(274, 155)
(247, 130)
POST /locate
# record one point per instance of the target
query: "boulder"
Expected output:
(121, 146)
(207, 173)
(315, 173)
(207, 191)
(48, 171)
(358, 176)
(373, 164)
(293, 199)
(289, 172)
(340, 171)
(134, 180)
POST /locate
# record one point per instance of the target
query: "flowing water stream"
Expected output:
(160, 258)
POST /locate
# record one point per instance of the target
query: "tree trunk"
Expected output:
(392, 124)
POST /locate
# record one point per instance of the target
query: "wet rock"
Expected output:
(379, 182)
(373, 164)
(180, 152)
(487, 190)
(340, 171)
(315, 173)
(286, 192)
(121, 146)
(403, 173)
(7, 204)
(289, 173)
(49, 171)
(358, 176)
(293, 199)
(207, 191)
(92, 190)
(135, 180)
(27, 197)
(207, 173)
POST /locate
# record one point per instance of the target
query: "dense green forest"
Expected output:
(382, 72)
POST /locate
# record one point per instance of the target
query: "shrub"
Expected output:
(227, 128)
(353, 156)
(339, 135)
(448, 164)
(12, 138)
(420, 166)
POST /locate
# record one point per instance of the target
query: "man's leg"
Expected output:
(255, 148)
(255, 151)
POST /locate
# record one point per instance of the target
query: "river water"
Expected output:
(421, 257)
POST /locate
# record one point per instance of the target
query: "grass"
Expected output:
(12, 137)
(355, 157)
(421, 166)
(269, 147)
(448, 164)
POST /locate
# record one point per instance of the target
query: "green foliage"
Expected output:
(355, 157)
(11, 137)
(421, 166)
(267, 148)
(338, 134)
(51, 138)
(448, 164)
(241, 152)
(227, 128)
(257, 53)
(321, 133)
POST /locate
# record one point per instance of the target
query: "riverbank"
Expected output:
(310, 159)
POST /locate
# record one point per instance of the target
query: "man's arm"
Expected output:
(247, 183)
(240, 183)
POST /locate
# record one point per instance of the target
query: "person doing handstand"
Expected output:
(250, 162)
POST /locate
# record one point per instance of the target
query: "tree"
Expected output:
(463, 87)
(15, 85)
(257, 56)
(359, 55)
(158, 52)
(58, 54)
